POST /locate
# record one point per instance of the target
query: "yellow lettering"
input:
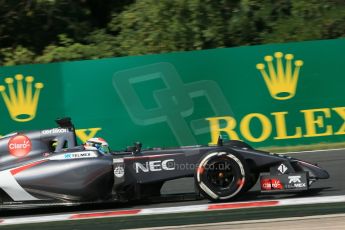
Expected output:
(216, 129)
(281, 127)
(85, 134)
(266, 127)
(313, 123)
(341, 112)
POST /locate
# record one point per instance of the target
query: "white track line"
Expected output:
(171, 210)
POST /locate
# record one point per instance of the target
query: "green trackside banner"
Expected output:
(269, 95)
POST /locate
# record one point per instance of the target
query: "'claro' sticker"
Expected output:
(19, 146)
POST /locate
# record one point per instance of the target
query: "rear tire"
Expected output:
(222, 176)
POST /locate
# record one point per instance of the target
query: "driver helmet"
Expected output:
(97, 143)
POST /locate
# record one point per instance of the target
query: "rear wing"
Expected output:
(65, 122)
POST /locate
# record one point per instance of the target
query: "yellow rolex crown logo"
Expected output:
(281, 81)
(21, 103)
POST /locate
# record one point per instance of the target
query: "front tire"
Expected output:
(221, 176)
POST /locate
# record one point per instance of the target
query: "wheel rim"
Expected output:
(221, 174)
(209, 182)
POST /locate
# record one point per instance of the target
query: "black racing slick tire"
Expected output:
(221, 176)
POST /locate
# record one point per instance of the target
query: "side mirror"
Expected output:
(138, 145)
(220, 141)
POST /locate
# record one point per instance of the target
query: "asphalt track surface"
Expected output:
(331, 160)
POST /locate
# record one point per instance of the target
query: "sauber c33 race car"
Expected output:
(47, 167)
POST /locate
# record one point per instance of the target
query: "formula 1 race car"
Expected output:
(48, 167)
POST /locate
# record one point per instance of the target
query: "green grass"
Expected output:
(319, 146)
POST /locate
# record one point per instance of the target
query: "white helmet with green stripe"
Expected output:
(97, 143)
